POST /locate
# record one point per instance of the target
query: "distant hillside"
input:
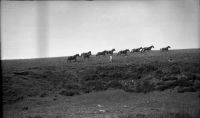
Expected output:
(176, 70)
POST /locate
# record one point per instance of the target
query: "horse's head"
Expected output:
(168, 47)
(113, 49)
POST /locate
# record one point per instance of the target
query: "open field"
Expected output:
(151, 84)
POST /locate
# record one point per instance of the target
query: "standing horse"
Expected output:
(165, 49)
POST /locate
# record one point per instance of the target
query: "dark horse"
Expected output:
(110, 51)
(165, 49)
(136, 50)
(86, 55)
(147, 48)
(125, 52)
(70, 58)
(101, 53)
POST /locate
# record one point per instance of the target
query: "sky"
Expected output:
(35, 29)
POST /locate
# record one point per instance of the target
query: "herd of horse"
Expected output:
(110, 52)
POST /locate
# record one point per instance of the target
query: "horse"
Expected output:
(147, 48)
(74, 57)
(110, 51)
(136, 50)
(86, 55)
(101, 53)
(165, 49)
(125, 52)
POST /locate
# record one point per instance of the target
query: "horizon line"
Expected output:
(10, 59)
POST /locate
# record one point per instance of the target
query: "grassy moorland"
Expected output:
(152, 84)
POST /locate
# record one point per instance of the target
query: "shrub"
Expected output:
(96, 85)
(181, 114)
(186, 89)
(71, 86)
(161, 87)
(183, 82)
(175, 70)
(37, 116)
(159, 71)
(139, 115)
(147, 86)
(25, 108)
(199, 96)
(115, 84)
(169, 78)
(192, 76)
(197, 85)
(127, 116)
(146, 68)
(85, 89)
(178, 115)
(69, 92)
(54, 99)
(175, 83)
(43, 95)
(140, 86)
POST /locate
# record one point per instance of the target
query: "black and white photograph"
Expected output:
(100, 58)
